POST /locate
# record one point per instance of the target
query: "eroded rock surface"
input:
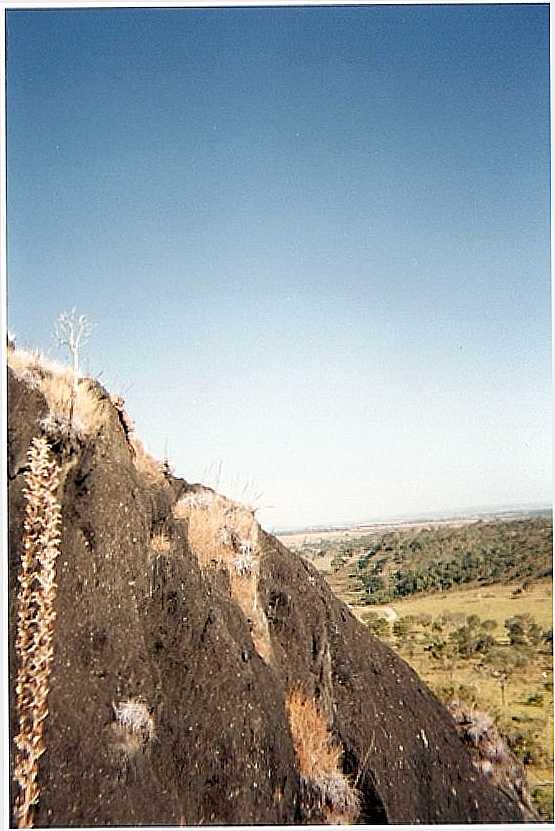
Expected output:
(174, 659)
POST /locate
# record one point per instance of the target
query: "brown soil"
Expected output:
(142, 622)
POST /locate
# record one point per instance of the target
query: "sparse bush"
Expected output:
(445, 692)
(501, 664)
(72, 331)
(400, 630)
(465, 693)
(319, 759)
(523, 631)
(472, 638)
(423, 619)
(526, 745)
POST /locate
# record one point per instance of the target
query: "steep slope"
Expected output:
(196, 660)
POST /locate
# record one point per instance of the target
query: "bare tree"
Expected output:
(72, 331)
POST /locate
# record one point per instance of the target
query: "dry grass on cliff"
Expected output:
(55, 382)
(319, 760)
(160, 542)
(150, 468)
(223, 534)
(220, 531)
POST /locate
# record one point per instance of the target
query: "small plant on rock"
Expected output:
(133, 727)
(134, 716)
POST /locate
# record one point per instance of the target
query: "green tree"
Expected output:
(474, 637)
(501, 664)
(523, 631)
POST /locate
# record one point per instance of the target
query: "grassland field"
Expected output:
(498, 603)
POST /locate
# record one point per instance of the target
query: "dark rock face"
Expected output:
(146, 624)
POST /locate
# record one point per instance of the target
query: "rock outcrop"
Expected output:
(201, 672)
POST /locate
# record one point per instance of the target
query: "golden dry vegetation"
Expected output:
(319, 760)
(56, 383)
(224, 534)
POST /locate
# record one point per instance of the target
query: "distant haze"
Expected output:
(469, 514)
(315, 242)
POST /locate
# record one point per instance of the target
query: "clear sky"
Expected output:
(314, 241)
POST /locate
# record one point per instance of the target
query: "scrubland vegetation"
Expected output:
(470, 608)
(388, 566)
(503, 667)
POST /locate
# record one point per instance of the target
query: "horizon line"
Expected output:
(427, 516)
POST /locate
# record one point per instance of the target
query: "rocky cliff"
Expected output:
(199, 673)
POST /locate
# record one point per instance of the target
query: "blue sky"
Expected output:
(314, 241)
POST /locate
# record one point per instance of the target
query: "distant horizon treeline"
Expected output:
(397, 564)
(508, 514)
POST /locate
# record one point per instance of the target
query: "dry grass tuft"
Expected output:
(160, 542)
(56, 383)
(319, 759)
(224, 534)
(316, 752)
(134, 716)
(221, 532)
(149, 467)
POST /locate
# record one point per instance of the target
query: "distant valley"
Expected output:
(467, 601)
